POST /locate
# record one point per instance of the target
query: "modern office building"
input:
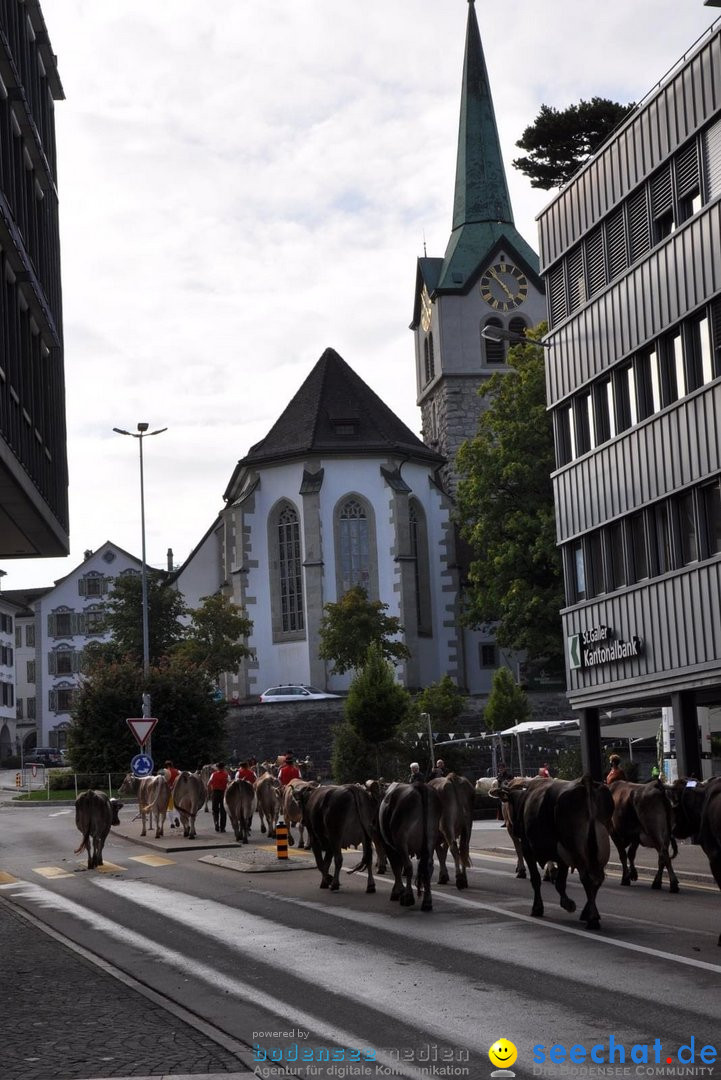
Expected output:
(631, 256)
(33, 461)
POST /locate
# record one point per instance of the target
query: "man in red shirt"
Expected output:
(245, 773)
(288, 772)
(217, 784)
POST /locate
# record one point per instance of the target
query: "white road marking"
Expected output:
(59, 813)
(249, 934)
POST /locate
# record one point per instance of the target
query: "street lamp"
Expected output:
(142, 432)
(497, 333)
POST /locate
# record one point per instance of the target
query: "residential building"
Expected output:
(33, 460)
(631, 255)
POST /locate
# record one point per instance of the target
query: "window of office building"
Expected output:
(615, 557)
(686, 526)
(579, 570)
(636, 538)
(711, 498)
(660, 537)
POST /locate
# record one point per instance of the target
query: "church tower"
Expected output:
(488, 277)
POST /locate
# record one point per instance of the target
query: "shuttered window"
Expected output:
(638, 225)
(662, 204)
(711, 144)
(616, 244)
(557, 308)
(595, 262)
(576, 280)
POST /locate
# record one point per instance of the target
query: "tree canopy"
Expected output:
(190, 729)
(559, 141)
(507, 704)
(351, 625)
(376, 704)
(506, 511)
(442, 700)
(124, 618)
(212, 639)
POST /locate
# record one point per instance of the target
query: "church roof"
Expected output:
(335, 412)
(482, 214)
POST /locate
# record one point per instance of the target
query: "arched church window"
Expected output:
(430, 363)
(356, 557)
(419, 551)
(518, 325)
(286, 572)
(495, 351)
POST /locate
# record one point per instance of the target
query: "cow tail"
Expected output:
(84, 844)
(425, 864)
(592, 837)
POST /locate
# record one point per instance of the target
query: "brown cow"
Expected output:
(240, 801)
(408, 819)
(189, 794)
(698, 815)
(94, 814)
(146, 793)
(292, 811)
(338, 816)
(642, 814)
(457, 797)
(566, 821)
(267, 794)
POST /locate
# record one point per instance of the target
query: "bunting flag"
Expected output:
(467, 734)
(419, 734)
(451, 734)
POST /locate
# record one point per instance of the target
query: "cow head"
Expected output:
(115, 807)
(687, 806)
(130, 785)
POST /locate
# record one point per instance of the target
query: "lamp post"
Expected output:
(497, 333)
(142, 432)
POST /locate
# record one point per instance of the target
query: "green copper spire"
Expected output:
(481, 190)
(482, 215)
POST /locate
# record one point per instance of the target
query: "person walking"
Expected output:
(288, 772)
(245, 773)
(615, 772)
(171, 775)
(415, 777)
(439, 770)
(543, 771)
(217, 785)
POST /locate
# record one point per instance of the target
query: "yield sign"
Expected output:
(141, 728)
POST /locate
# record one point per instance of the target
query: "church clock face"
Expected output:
(426, 310)
(504, 287)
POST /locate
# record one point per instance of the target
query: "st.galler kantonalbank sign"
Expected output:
(599, 645)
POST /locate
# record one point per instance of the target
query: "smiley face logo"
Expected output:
(503, 1053)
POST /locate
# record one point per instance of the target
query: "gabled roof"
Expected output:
(482, 213)
(334, 412)
(25, 598)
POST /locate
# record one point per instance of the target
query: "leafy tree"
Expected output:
(507, 704)
(354, 623)
(376, 704)
(190, 729)
(212, 638)
(506, 511)
(442, 700)
(124, 619)
(353, 760)
(560, 141)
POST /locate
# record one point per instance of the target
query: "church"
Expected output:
(341, 493)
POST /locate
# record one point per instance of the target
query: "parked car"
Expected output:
(295, 693)
(44, 755)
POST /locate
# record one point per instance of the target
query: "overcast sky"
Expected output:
(245, 182)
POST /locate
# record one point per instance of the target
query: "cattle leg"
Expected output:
(396, 868)
(537, 908)
(461, 878)
(520, 865)
(142, 818)
(337, 864)
(626, 877)
(664, 860)
(291, 841)
(407, 899)
(442, 853)
(368, 857)
(590, 914)
(561, 876)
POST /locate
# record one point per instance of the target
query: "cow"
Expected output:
(292, 811)
(408, 819)
(206, 771)
(152, 799)
(698, 815)
(94, 814)
(642, 814)
(267, 794)
(376, 789)
(189, 794)
(338, 816)
(240, 802)
(549, 870)
(457, 796)
(566, 821)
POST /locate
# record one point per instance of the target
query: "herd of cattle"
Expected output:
(559, 825)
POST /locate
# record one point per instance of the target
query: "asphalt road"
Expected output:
(263, 958)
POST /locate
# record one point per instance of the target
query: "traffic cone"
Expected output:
(281, 840)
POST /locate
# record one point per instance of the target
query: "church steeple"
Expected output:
(481, 191)
(482, 214)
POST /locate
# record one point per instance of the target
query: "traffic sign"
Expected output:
(141, 728)
(141, 765)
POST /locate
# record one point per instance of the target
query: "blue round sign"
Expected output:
(142, 765)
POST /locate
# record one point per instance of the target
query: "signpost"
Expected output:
(141, 765)
(141, 727)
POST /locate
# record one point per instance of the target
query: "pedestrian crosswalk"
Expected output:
(55, 873)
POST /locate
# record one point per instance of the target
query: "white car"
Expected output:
(295, 693)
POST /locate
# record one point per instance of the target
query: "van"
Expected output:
(43, 755)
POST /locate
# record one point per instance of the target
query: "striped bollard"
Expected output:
(281, 840)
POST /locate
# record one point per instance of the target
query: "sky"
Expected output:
(243, 183)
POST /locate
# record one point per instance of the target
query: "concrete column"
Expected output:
(685, 725)
(591, 743)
